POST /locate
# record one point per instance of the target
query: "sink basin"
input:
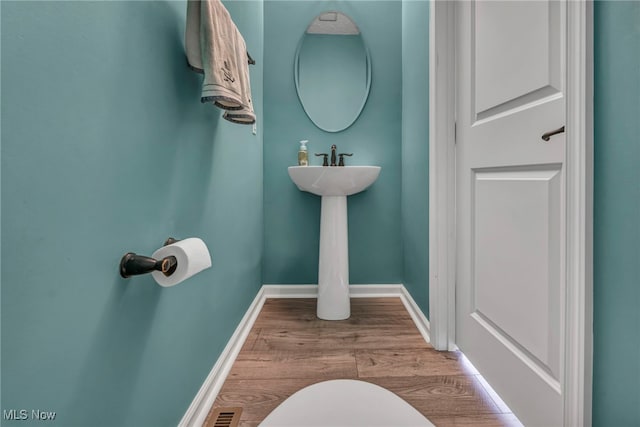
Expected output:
(333, 184)
(333, 180)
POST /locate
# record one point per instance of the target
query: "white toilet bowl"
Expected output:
(345, 403)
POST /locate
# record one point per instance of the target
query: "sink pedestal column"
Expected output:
(333, 265)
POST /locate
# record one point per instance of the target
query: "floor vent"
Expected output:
(223, 417)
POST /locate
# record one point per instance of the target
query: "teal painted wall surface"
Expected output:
(291, 217)
(106, 149)
(415, 149)
(616, 370)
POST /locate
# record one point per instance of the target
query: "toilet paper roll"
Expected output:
(192, 255)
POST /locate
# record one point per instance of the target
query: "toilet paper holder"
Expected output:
(133, 264)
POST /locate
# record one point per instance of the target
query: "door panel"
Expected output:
(512, 67)
(516, 256)
(510, 192)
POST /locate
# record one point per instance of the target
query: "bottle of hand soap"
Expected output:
(303, 155)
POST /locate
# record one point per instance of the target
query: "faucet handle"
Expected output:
(341, 161)
(325, 162)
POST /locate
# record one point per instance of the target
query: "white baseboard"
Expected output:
(290, 291)
(201, 404)
(421, 321)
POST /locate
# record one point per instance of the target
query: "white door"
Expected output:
(510, 200)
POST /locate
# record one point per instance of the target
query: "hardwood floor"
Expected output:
(289, 348)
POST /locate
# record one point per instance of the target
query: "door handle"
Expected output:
(546, 136)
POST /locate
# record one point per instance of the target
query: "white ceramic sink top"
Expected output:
(333, 180)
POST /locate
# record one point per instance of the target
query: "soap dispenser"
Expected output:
(303, 155)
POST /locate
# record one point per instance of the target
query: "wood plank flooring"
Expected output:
(289, 348)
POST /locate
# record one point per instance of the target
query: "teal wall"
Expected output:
(415, 149)
(616, 370)
(291, 217)
(106, 148)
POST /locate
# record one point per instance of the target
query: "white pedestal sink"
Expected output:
(333, 184)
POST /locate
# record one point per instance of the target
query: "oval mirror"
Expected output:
(332, 71)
